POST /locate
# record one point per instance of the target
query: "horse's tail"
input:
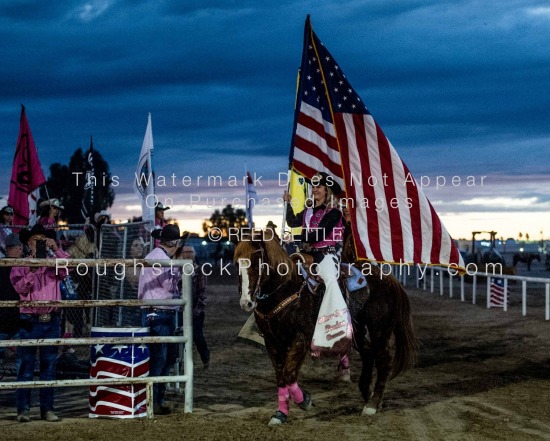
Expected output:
(405, 341)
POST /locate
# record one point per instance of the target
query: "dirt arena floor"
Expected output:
(482, 375)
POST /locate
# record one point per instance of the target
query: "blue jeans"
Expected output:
(31, 328)
(162, 355)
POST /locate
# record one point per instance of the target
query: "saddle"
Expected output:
(304, 262)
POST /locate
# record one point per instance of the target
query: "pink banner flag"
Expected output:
(26, 174)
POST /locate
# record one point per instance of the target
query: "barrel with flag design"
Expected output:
(119, 361)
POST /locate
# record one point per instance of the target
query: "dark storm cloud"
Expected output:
(458, 87)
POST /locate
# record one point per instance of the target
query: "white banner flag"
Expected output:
(144, 181)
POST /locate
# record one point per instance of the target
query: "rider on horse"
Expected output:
(322, 236)
(322, 228)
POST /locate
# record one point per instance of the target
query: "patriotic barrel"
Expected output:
(119, 361)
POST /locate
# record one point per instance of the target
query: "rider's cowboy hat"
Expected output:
(322, 178)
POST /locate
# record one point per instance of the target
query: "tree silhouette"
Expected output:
(225, 219)
(62, 184)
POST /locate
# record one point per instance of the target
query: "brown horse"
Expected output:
(286, 313)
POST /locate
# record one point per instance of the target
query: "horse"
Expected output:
(286, 312)
(526, 258)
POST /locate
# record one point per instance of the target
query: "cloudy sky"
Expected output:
(461, 88)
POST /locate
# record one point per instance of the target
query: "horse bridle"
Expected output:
(259, 297)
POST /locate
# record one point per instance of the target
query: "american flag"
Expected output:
(334, 132)
(497, 292)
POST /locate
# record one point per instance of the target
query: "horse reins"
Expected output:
(281, 305)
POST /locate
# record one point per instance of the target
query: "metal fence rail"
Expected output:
(186, 339)
(442, 273)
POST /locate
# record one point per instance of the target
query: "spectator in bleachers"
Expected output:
(49, 212)
(160, 220)
(6, 220)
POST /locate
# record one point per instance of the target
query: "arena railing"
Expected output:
(443, 273)
(186, 339)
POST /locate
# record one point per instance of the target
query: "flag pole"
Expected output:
(246, 207)
(37, 193)
(150, 152)
(296, 113)
(285, 205)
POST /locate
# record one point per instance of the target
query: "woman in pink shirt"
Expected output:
(40, 283)
(49, 212)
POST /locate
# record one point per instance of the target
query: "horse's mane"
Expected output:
(278, 258)
(244, 250)
(276, 255)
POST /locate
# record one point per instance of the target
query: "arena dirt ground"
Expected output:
(482, 375)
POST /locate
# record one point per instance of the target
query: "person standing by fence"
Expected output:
(161, 284)
(38, 322)
(199, 304)
(9, 317)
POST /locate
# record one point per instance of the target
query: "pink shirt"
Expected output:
(43, 284)
(48, 222)
(159, 283)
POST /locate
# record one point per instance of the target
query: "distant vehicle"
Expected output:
(485, 255)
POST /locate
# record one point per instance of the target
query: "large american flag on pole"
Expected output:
(392, 220)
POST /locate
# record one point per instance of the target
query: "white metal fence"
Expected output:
(186, 339)
(444, 281)
(115, 242)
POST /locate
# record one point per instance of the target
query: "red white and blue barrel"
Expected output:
(119, 361)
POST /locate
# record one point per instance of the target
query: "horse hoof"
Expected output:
(307, 403)
(369, 411)
(277, 419)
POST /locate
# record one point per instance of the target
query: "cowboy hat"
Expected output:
(53, 202)
(7, 209)
(168, 233)
(102, 213)
(12, 240)
(324, 179)
(160, 206)
(26, 234)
